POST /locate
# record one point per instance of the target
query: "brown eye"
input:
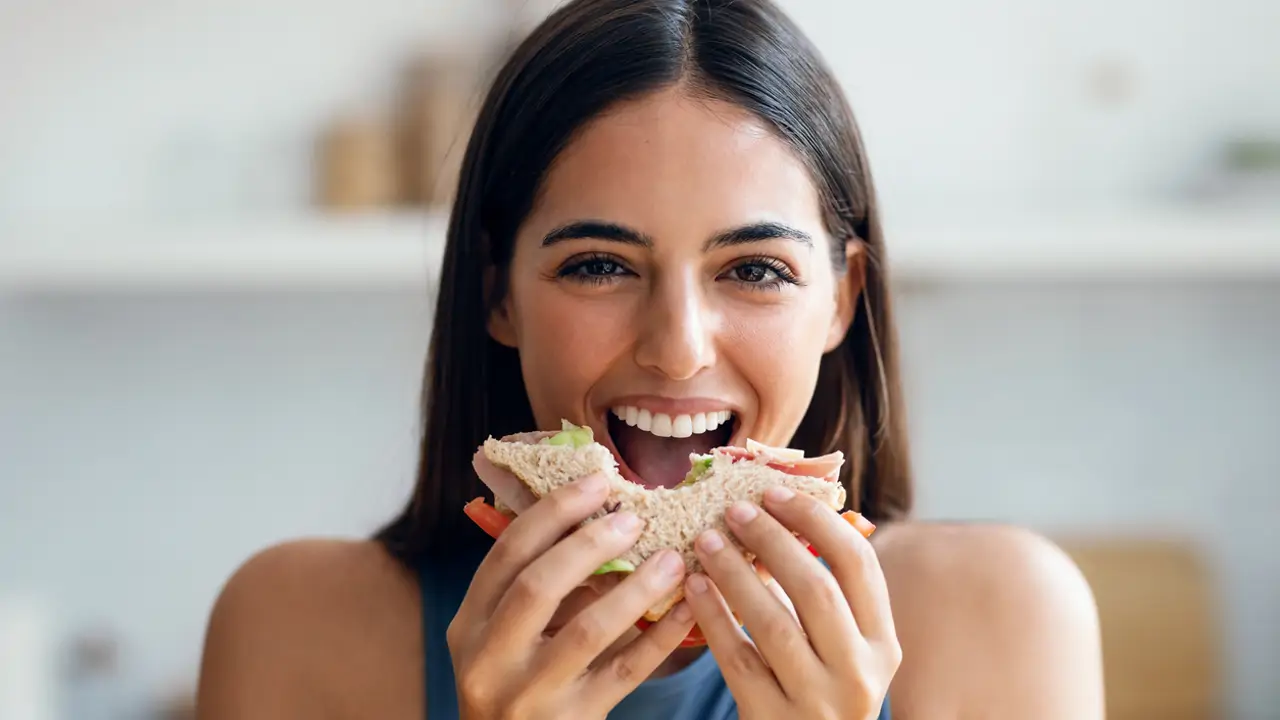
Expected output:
(753, 273)
(593, 269)
(600, 267)
(762, 274)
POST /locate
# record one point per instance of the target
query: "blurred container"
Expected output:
(358, 167)
(1160, 639)
(441, 98)
(177, 705)
(28, 664)
(1246, 173)
(94, 688)
(1253, 167)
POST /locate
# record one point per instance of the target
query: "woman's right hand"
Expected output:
(507, 664)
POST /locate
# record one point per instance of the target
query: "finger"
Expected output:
(782, 596)
(745, 671)
(774, 631)
(820, 603)
(530, 602)
(848, 554)
(596, 627)
(767, 578)
(529, 536)
(579, 599)
(632, 665)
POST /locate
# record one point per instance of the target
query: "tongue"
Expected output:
(661, 462)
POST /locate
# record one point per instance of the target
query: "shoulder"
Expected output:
(993, 620)
(1010, 563)
(303, 627)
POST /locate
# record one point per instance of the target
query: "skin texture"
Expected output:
(331, 629)
(506, 662)
(675, 321)
(839, 659)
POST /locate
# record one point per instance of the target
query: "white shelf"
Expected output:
(1222, 244)
(323, 252)
(402, 251)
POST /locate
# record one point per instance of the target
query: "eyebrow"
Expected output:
(598, 230)
(743, 235)
(758, 232)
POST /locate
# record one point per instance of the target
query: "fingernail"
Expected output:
(683, 613)
(742, 512)
(671, 564)
(711, 542)
(778, 494)
(591, 484)
(624, 522)
(696, 585)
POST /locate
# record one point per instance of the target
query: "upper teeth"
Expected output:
(664, 425)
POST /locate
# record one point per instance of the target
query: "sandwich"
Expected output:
(521, 468)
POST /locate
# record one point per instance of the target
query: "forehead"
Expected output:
(669, 163)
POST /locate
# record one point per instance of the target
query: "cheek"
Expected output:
(778, 354)
(566, 345)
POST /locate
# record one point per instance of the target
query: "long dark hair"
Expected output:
(587, 56)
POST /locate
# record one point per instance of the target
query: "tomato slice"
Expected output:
(487, 517)
(693, 639)
(864, 526)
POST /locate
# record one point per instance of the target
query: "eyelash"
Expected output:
(574, 270)
(782, 274)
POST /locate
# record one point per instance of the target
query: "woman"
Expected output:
(665, 204)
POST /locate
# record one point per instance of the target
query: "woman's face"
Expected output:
(672, 286)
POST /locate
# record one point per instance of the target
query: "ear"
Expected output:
(848, 290)
(501, 328)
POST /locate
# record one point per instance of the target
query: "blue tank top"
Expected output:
(697, 692)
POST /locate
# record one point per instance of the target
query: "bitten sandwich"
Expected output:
(521, 468)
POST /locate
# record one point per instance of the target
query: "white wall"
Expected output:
(188, 109)
(149, 445)
(994, 102)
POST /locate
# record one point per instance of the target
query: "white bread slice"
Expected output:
(673, 517)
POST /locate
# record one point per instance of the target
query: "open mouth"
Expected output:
(653, 449)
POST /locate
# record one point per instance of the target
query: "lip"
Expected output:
(672, 406)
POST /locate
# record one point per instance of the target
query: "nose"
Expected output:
(677, 337)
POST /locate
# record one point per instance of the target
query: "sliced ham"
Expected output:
(824, 466)
(735, 452)
(507, 488)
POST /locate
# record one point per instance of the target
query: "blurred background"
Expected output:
(219, 223)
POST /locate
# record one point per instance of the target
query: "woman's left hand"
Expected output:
(837, 661)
